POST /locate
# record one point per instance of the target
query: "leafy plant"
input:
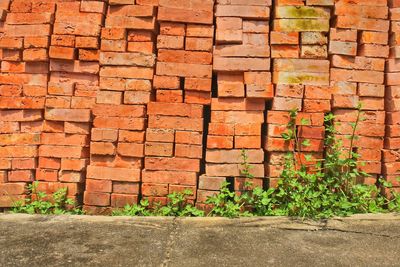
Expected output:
(227, 203)
(141, 209)
(314, 189)
(39, 203)
(331, 188)
(246, 170)
(177, 205)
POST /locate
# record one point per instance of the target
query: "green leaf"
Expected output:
(304, 121)
(306, 143)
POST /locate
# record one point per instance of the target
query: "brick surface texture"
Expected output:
(122, 100)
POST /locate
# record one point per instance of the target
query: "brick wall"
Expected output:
(121, 100)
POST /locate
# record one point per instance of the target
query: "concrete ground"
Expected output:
(363, 240)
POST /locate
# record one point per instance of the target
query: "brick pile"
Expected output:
(174, 137)
(235, 125)
(301, 77)
(125, 99)
(184, 48)
(391, 155)
(242, 68)
(241, 53)
(71, 93)
(358, 46)
(23, 86)
(117, 138)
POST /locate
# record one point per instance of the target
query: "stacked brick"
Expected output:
(301, 77)
(358, 47)
(391, 155)
(174, 149)
(241, 53)
(126, 99)
(117, 139)
(184, 47)
(25, 31)
(241, 63)
(71, 92)
(174, 137)
(235, 126)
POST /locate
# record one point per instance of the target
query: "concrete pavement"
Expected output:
(362, 240)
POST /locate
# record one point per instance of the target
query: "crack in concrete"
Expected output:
(170, 242)
(325, 228)
(359, 232)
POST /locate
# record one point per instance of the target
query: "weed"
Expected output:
(39, 203)
(227, 203)
(177, 205)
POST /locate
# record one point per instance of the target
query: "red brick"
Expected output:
(188, 151)
(175, 109)
(172, 164)
(73, 164)
(172, 28)
(186, 15)
(154, 189)
(121, 200)
(220, 129)
(12, 188)
(185, 137)
(159, 149)
(113, 174)
(177, 123)
(170, 177)
(98, 186)
(247, 142)
(96, 199)
(130, 150)
(199, 44)
(125, 188)
(219, 141)
(23, 164)
(20, 176)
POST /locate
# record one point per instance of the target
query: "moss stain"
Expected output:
(306, 25)
(305, 12)
(302, 79)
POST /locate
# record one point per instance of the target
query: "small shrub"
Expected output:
(313, 190)
(176, 206)
(38, 203)
(141, 209)
(227, 203)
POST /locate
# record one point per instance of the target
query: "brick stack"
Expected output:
(173, 149)
(242, 67)
(184, 48)
(174, 137)
(391, 155)
(71, 92)
(121, 93)
(241, 53)
(301, 78)
(359, 46)
(235, 125)
(23, 86)
(117, 141)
